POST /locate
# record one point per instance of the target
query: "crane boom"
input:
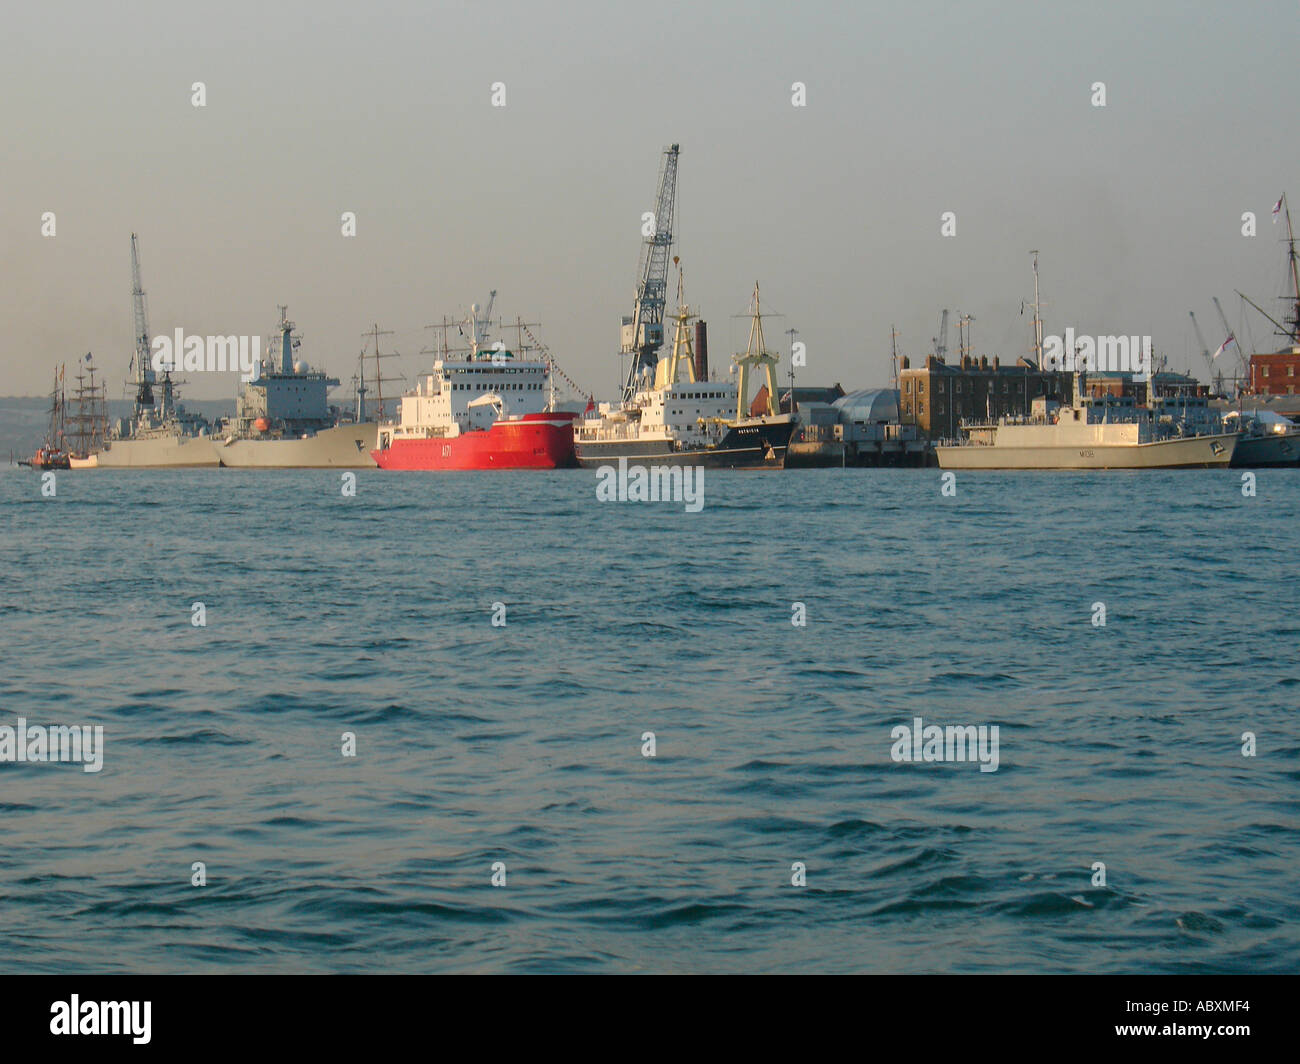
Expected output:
(1205, 348)
(1229, 335)
(941, 342)
(643, 332)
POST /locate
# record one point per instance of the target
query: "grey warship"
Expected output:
(160, 433)
(283, 418)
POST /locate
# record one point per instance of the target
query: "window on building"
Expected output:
(920, 387)
(920, 408)
(907, 386)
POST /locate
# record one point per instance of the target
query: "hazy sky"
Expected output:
(385, 109)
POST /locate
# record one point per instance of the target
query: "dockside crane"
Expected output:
(1230, 337)
(941, 341)
(643, 332)
(1215, 377)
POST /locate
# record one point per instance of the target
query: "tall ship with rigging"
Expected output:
(90, 421)
(160, 432)
(53, 451)
(284, 420)
(490, 409)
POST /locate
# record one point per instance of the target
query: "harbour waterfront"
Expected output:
(522, 744)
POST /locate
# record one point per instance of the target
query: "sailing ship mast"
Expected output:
(1288, 327)
(55, 433)
(90, 421)
(1294, 321)
(373, 334)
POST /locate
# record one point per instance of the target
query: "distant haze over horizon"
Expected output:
(385, 110)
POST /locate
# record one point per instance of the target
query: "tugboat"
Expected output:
(688, 422)
(489, 410)
(283, 419)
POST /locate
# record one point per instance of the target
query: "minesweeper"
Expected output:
(1089, 433)
(283, 419)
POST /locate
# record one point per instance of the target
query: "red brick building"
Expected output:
(1276, 374)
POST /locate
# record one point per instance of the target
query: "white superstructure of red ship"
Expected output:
(488, 410)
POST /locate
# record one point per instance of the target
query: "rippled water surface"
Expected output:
(522, 744)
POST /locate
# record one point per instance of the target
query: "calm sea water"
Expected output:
(522, 744)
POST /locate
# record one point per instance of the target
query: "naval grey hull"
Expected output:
(341, 447)
(1196, 452)
(158, 452)
(1275, 449)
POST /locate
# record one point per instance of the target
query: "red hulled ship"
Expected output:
(489, 410)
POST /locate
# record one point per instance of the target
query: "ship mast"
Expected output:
(144, 374)
(893, 353)
(374, 333)
(1038, 318)
(1288, 327)
(756, 354)
(55, 434)
(88, 422)
(1295, 275)
(792, 333)
(683, 348)
(479, 326)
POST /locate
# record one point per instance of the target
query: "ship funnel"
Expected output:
(701, 351)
